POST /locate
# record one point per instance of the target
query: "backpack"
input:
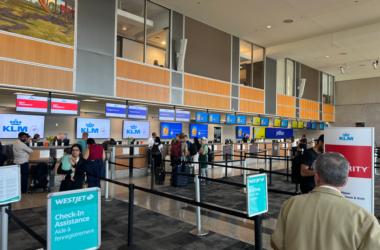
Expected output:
(175, 151)
(296, 169)
(193, 149)
(155, 150)
(210, 155)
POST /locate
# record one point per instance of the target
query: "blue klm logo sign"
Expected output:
(15, 127)
(133, 130)
(90, 129)
(346, 137)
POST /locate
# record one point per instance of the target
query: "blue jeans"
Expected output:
(94, 184)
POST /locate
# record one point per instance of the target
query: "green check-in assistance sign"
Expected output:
(74, 219)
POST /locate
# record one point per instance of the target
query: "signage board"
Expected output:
(64, 106)
(257, 194)
(73, 219)
(277, 123)
(214, 118)
(169, 130)
(201, 117)
(264, 122)
(10, 185)
(294, 124)
(198, 130)
(259, 133)
(166, 115)
(230, 119)
(12, 124)
(96, 128)
(357, 145)
(240, 130)
(136, 129)
(182, 116)
(116, 110)
(278, 133)
(256, 121)
(284, 123)
(300, 124)
(241, 120)
(34, 104)
(137, 112)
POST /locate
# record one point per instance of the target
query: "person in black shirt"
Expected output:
(307, 165)
(245, 138)
(303, 143)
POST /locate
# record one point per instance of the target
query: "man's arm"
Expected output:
(371, 234)
(306, 172)
(27, 149)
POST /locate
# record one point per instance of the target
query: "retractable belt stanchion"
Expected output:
(287, 167)
(270, 173)
(106, 198)
(130, 214)
(152, 172)
(244, 177)
(198, 231)
(4, 228)
(225, 175)
(258, 233)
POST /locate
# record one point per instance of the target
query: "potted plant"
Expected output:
(129, 139)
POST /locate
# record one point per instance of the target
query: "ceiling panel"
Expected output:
(306, 6)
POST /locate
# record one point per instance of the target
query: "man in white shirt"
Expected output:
(152, 139)
(21, 157)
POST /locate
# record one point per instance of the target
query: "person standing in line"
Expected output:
(83, 142)
(203, 159)
(303, 143)
(21, 157)
(95, 157)
(245, 138)
(157, 151)
(175, 139)
(152, 140)
(188, 156)
(324, 218)
(294, 146)
(196, 156)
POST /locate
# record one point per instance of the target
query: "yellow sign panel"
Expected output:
(300, 124)
(256, 121)
(277, 123)
(259, 133)
(295, 124)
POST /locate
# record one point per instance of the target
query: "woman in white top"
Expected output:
(157, 151)
(294, 145)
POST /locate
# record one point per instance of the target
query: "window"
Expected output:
(331, 90)
(131, 32)
(290, 77)
(251, 65)
(328, 89)
(281, 86)
(258, 67)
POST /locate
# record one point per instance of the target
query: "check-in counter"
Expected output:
(217, 149)
(240, 149)
(285, 148)
(262, 147)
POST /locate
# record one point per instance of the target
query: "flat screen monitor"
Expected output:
(321, 126)
(166, 115)
(64, 107)
(241, 130)
(278, 133)
(256, 121)
(313, 125)
(31, 104)
(12, 124)
(300, 124)
(241, 120)
(182, 116)
(295, 124)
(96, 128)
(264, 122)
(116, 110)
(137, 112)
(169, 130)
(198, 130)
(284, 123)
(277, 123)
(136, 129)
(214, 118)
(259, 133)
(230, 119)
(201, 117)
(326, 125)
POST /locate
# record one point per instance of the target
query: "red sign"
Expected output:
(64, 106)
(31, 104)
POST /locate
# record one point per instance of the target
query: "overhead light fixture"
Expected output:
(62, 94)
(163, 42)
(92, 113)
(3, 108)
(375, 63)
(18, 93)
(327, 56)
(343, 69)
(343, 54)
(124, 28)
(348, 67)
(288, 21)
(362, 65)
(269, 26)
(89, 100)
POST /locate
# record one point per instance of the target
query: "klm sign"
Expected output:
(133, 130)
(90, 129)
(346, 137)
(15, 127)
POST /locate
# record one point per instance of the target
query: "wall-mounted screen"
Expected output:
(137, 112)
(284, 123)
(264, 122)
(214, 118)
(278, 133)
(277, 123)
(241, 130)
(300, 124)
(64, 106)
(256, 121)
(182, 116)
(321, 126)
(166, 115)
(116, 110)
(136, 129)
(326, 125)
(259, 133)
(198, 130)
(308, 125)
(241, 120)
(12, 124)
(201, 117)
(169, 130)
(230, 119)
(313, 125)
(96, 128)
(295, 124)
(33, 104)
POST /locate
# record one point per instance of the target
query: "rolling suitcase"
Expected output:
(168, 167)
(179, 180)
(190, 179)
(159, 173)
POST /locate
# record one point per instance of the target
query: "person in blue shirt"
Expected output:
(188, 157)
(303, 142)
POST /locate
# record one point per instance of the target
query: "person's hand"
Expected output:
(73, 169)
(72, 161)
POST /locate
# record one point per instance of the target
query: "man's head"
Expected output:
(182, 136)
(203, 140)
(177, 136)
(331, 169)
(22, 136)
(303, 136)
(154, 135)
(319, 146)
(186, 138)
(84, 135)
(155, 63)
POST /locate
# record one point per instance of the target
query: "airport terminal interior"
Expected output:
(257, 82)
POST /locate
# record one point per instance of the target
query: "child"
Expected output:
(66, 165)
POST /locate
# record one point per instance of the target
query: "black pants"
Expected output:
(306, 189)
(24, 176)
(294, 151)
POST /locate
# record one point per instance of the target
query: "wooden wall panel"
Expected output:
(304, 104)
(251, 94)
(286, 100)
(253, 107)
(141, 91)
(37, 52)
(206, 85)
(206, 101)
(35, 76)
(142, 73)
(137, 163)
(328, 108)
(308, 114)
(328, 117)
(286, 111)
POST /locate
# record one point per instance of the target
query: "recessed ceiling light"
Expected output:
(348, 67)
(18, 93)
(89, 100)
(269, 26)
(163, 42)
(124, 28)
(327, 56)
(361, 65)
(288, 21)
(343, 54)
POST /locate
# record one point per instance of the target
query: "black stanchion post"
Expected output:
(287, 168)
(225, 175)
(130, 214)
(258, 233)
(261, 170)
(270, 173)
(152, 171)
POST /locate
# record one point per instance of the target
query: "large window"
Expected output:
(289, 77)
(149, 43)
(280, 77)
(251, 65)
(328, 89)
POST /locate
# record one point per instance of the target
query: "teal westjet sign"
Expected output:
(74, 219)
(257, 194)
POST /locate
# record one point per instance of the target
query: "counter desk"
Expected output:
(217, 149)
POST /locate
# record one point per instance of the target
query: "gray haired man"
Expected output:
(324, 218)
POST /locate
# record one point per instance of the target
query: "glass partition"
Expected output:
(328, 89)
(258, 67)
(281, 86)
(290, 77)
(245, 63)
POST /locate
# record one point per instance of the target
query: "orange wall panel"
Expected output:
(37, 52)
(328, 108)
(26, 75)
(206, 85)
(286, 111)
(286, 100)
(253, 107)
(251, 94)
(328, 117)
(141, 91)
(142, 73)
(304, 104)
(308, 114)
(206, 101)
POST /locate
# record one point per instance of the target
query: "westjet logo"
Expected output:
(346, 137)
(256, 180)
(74, 200)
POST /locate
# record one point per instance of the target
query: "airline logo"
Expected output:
(15, 127)
(64, 106)
(11, 125)
(280, 133)
(31, 104)
(135, 131)
(346, 137)
(90, 128)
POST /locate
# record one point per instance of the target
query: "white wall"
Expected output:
(359, 91)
